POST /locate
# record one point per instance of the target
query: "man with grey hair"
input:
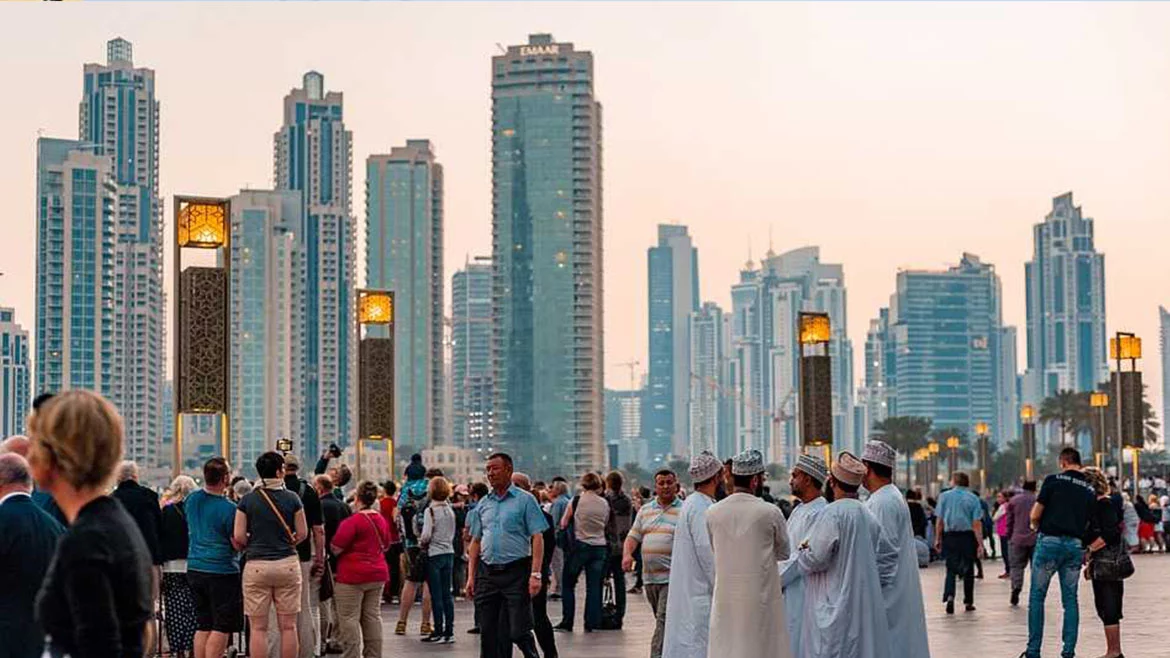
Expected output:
(19, 444)
(143, 506)
(560, 499)
(28, 539)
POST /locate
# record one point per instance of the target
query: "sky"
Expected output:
(891, 135)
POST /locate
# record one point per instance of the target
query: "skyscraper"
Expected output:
(1164, 336)
(119, 118)
(673, 276)
(15, 395)
(471, 353)
(1009, 399)
(77, 337)
(268, 324)
(624, 425)
(765, 353)
(1066, 305)
(547, 340)
(938, 351)
(709, 405)
(314, 155)
(404, 253)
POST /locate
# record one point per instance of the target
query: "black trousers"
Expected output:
(959, 549)
(504, 609)
(542, 624)
(394, 564)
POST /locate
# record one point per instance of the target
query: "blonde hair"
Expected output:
(78, 433)
(1097, 479)
(591, 482)
(180, 488)
(439, 489)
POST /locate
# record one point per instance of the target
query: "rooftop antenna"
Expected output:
(503, 50)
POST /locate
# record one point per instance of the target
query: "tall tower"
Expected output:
(268, 324)
(314, 156)
(15, 395)
(119, 118)
(471, 355)
(673, 277)
(78, 341)
(709, 404)
(1066, 305)
(404, 253)
(547, 340)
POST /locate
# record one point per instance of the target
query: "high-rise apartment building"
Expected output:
(938, 351)
(1066, 305)
(673, 276)
(404, 253)
(1164, 338)
(471, 353)
(119, 118)
(15, 394)
(765, 351)
(547, 256)
(314, 155)
(624, 426)
(709, 406)
(268, 325)
(77, 336)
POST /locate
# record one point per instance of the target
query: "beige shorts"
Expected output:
(268, 582)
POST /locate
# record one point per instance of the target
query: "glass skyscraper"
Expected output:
(314, 156)
(547, 257)
(15, 395)
(404, 253)
(119, 118)
(938, 351)
(471, 354)
(268, 325)
(673, 276)
(77, 337)
(1066, 305)
(709, 406)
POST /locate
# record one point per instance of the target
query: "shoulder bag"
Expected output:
(292, 538)
(1111, 563)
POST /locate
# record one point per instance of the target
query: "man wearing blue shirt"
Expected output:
(504, 562)
(959, 536)
(213, 568)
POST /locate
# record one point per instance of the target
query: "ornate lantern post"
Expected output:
(1028, 418)
(1128, 394)
(981, 435)
(952, 455)
(816, 393)
(1099, 402)
(375, 315)
(933, 449)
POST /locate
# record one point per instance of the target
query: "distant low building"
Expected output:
(460, 465)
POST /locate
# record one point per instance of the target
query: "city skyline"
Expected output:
(1069, 154)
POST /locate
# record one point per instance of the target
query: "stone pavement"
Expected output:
(994, 630)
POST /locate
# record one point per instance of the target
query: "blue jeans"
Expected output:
(1061, 556)
(439, 569)
(591, 559)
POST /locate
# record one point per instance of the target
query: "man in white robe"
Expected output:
(844, 612)
(808, 477)
(903, 594)
(692, 566)
(748, 537)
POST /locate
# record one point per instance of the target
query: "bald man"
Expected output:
(19, 445)
(28, 539)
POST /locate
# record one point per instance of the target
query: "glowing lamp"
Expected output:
(202, 224)
(1027, 413)
(981, 428)
(375, 307)
(1125, 347)
(1098, 400)
(814, 328)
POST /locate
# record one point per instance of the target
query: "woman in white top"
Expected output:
(438, 539)
(587, 515)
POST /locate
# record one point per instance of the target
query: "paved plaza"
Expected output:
(994, 630)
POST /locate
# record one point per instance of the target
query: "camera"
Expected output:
(334, 450)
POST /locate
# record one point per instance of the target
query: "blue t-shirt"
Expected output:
(210, 521)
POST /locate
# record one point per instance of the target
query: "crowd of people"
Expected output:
(294, 566)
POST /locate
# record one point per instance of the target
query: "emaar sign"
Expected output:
(551, 49)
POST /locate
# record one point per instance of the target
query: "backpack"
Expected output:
(567, 537)
(617, 526)
(411, 511)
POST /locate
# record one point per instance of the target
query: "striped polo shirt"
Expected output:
(654, 529)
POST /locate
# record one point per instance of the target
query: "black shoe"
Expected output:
(1015, 598)
(473, 630)
(950, 606)
(563, 628)
(554, 597)
(433, 638)
(970, 607)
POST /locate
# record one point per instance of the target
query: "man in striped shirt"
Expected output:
(654, 529)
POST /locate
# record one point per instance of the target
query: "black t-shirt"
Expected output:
(314, 515)
(334, 512)
(267, 538)
(1067, 498)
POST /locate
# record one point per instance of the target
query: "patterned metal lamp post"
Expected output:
(952, 455)
(933, 449)
(1099, 402)
(202, 319)
(816, 392)
(1028, 418)
(1127, 391)
(375, 310)
(981, 437)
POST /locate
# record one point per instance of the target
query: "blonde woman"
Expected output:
(438, 540)
(97, 590)
(178, 601)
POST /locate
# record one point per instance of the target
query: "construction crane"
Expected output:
(776, 415)
(632, 365)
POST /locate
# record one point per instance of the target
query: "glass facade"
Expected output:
(673, 277)
(404, 253)
(709, 406)
(314, 156)
(547, 257)
(15, 394)
(471, 335)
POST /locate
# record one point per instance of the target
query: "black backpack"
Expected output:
(412, 518)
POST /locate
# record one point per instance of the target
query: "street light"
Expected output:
(981, 433)
(1099, 402)
(952, 455)
(1028, 417)
(816, 391)
(375, 331)
(932, 449)
(1127, 391)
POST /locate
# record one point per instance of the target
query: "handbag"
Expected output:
(1111, 563)
(326, 591)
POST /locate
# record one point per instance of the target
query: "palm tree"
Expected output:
(681, 468)
(1068, 409)
(905, 434)
(635, 474)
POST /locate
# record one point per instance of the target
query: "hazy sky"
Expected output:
(892, 135)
